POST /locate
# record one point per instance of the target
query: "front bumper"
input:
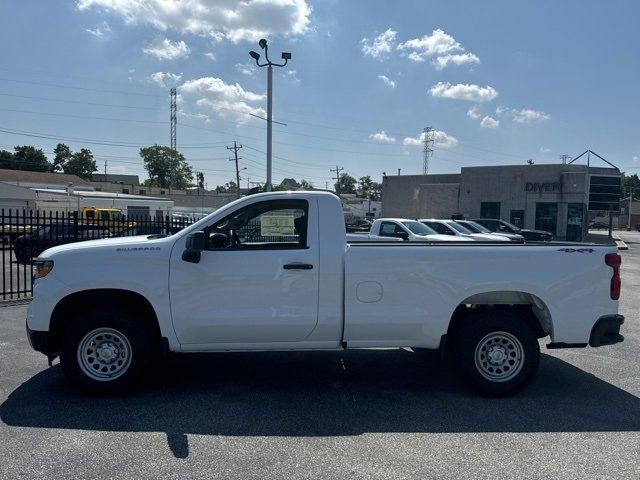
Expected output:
(606, 331)
(40, 341)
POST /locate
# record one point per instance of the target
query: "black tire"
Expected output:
(122, 332)
(505, 336)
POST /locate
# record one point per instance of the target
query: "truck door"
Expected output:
(257, 280)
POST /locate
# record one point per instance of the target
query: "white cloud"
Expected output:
(439, 47)
(636, 158)
(164, 79)
(248, 69)
(292, 75)
(227, 100)
(235, 20)
(381, 45)
(489, 122)
(474, 112)
(525, 115)
(381, 136)
(165, 49)
(210, 56)
(99, 31)
(199, 116)
(464, 91)
(387, 81)
(457, 59)
(441, 140)
(544, 150)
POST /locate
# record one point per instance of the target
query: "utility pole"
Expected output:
(105, 170)
(630, 202)
(235, 149)
(398, 172)
(427, 149)
(564, 157)
(173, 117)
(286, 56)
(337, 177)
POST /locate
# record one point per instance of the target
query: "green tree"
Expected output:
(229, 187)
(367, 188)
(81, 164)
(32, 159)
(200, 179)
(6, 160)
(166, 167)
(630, 183)
(61, 155)
(306, 184)
(346, 184)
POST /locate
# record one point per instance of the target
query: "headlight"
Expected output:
(43, 267)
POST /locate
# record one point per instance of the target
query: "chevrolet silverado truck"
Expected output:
(274, 271)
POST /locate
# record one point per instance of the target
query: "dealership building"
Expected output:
(560, 198)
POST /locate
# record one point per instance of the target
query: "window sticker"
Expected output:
(276, 225)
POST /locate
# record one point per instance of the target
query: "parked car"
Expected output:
(409, 230)
(449, 227)
(477, 228)
(599, 225)
(143, 229)
(32, 244)
(501, 226)
(361, 226)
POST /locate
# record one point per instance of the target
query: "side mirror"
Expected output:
(403, 235)
(196, 243)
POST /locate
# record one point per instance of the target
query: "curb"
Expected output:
(619, 242)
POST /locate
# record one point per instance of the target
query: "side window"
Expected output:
(399, 230)
(388, 229)
(264, 225)
(440, 228)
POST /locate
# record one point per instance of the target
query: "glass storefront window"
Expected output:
(575, 215)
(547, 217)
(490, 210)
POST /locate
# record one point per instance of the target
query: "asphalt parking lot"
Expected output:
(357, 414)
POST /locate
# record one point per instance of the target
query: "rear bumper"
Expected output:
(606, 331)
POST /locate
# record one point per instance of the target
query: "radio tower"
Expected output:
(174, 119)
(427, 149)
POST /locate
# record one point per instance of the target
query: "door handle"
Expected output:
(298, 266)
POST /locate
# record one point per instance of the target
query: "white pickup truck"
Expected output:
(408, 230)
(273, 272)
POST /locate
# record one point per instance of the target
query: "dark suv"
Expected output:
(33, 244)
(500, 226)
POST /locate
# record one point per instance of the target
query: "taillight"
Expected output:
(614, 261)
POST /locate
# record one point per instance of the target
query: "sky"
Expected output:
(499, 82)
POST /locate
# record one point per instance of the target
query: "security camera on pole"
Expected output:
(256, 56)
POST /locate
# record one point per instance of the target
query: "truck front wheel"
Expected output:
(496, 352)
(104, 351)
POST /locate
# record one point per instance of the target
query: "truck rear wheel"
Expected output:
(496, 352)
(105, 351)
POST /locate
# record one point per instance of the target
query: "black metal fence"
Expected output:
(26, 234)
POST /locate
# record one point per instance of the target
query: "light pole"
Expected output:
(256, 56)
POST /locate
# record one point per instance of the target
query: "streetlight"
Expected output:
(286, 56)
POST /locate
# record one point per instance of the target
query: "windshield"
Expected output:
(476, 226)
(419, 228)
(459, 228)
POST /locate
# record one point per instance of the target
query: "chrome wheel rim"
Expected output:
(499, 356)
(104, 354)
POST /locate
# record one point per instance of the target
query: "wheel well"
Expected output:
(72, 305)
(527, 306)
